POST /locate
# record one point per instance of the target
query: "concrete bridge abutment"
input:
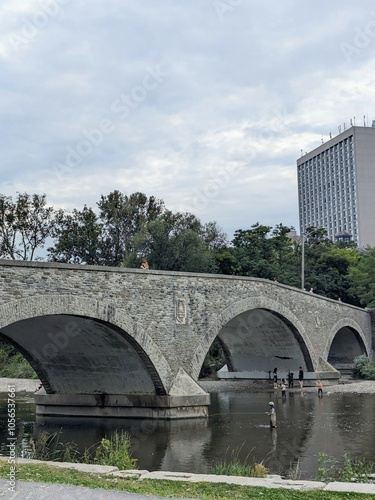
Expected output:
(185, 400)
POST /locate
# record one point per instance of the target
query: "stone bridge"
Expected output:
(128, 342)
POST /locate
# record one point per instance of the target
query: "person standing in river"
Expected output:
(320, 388)
(290, 378)
(283, 388)
(272, 415)
(275, 378)
(300, 377)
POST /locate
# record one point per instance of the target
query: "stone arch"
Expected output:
(356, 331)
(245, 305)
(105, 315)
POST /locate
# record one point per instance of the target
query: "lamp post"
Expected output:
(303, 260)
(294, 237)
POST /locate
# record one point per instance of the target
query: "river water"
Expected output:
(237, 426)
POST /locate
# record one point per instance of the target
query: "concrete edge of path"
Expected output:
(267, 482)
(272, 481)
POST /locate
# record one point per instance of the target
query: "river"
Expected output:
(237, 426)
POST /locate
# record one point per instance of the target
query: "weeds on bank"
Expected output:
(353, 470)
(235, 467)
(115, 451)
(294, 472)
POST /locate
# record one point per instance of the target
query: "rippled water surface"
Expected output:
(306, 425)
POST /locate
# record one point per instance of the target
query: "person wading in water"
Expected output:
(272, 415)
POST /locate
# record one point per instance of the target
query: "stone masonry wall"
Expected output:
(173, 316)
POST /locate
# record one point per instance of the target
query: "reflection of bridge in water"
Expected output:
(131, 343)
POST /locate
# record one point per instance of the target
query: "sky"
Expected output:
(205, 104)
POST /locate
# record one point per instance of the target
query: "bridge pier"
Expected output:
(122, 406)
(185, 399)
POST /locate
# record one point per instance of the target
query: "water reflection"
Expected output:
(306, 425)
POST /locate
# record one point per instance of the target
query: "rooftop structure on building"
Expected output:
(336, 186)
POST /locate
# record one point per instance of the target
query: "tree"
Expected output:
(253, 250)
(84, 237)
(25, 225)
(261, 252)
(327, 266)
(213, 236)
(78, 237)
(362, 276)
(270, 253)
(175, 242)
(122, 217)
(330, 274)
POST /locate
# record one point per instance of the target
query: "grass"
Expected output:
(115, 451)
(235, 467)
(167, 489)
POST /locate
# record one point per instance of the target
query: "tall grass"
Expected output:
(115, 451)
(235, 467)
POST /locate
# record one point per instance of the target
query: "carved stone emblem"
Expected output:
(180, 312)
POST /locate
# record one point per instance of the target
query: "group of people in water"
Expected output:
(290, 379)
(283, 386)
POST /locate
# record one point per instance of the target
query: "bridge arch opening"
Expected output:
(256, 341)
(83, 355)
(346, 345)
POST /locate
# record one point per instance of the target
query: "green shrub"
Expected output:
(368, 371)
(363, 368)
(115, 451)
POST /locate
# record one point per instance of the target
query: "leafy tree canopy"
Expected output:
(78, 237)
(177, 242)
(25, 225)
(362, 276)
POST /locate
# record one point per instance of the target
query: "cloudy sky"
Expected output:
(206, 104)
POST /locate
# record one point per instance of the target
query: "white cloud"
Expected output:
(239, 96)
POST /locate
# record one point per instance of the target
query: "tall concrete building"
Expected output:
(336, 186)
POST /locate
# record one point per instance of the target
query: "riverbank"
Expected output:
(20, 384)
(346, 386)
